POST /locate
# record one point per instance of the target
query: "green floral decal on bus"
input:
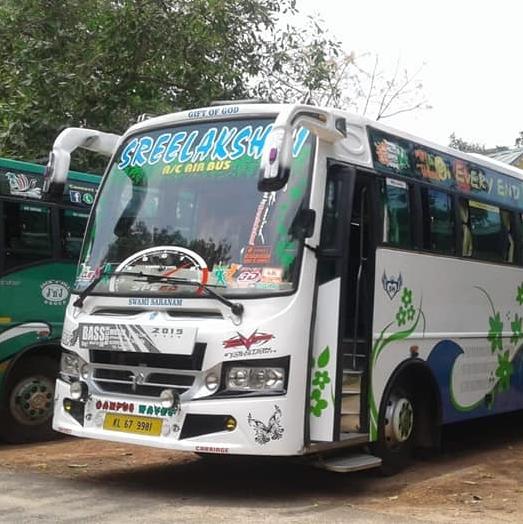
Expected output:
(501, 377)
(407, 315)
(320, 380)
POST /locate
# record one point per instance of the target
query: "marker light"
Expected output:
(230, 424)
(212, 381)
(84, 371)
(76, 390)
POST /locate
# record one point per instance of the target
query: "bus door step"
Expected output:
(348, 463)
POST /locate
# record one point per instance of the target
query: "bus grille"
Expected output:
(144, 374)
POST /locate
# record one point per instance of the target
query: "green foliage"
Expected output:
(101, 63)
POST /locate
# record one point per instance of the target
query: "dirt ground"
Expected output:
(477, 477)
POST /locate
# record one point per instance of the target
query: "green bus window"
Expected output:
(396, 213)
(27, 233)
(489, 238)
(439, 226)
(72, 228)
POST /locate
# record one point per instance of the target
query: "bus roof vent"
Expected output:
(143, 117)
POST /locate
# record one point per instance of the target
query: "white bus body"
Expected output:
(390, 317)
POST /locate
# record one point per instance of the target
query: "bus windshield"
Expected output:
(183, 202)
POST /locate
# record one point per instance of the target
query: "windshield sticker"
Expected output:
(249, 276)
(257, 255)
(212, 145)
(219, 275)
(273, 275)
(264, 207)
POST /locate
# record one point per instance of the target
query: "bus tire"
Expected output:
(27, 401)
(396, 429)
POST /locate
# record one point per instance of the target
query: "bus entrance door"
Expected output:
(356, 310)
(345, 267)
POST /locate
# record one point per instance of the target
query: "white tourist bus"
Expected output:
(265, 279)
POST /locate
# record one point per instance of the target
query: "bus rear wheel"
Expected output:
(27, 405)
(396, 431)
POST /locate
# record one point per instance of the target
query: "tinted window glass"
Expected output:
(396, 213)
(28, 233)
(489, 237)
(72, 227)
(330, 214)
(439, 222)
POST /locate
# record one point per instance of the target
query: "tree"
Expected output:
(100, 63)
(309, 65)
(473, 147)
(467, 147)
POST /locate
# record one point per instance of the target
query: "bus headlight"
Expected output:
(70, 365)
(254, 378)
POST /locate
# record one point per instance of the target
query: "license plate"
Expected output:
(133, 424)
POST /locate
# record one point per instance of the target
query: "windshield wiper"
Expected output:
(235, 307)
(79, 302)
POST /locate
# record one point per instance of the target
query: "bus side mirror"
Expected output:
(303, 224)
(55, 174)
(66, 142)
(276, 160)
(276, 157)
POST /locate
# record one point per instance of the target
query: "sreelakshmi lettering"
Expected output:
(216, 144)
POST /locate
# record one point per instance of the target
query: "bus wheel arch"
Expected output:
(28, 394)
(409, 416)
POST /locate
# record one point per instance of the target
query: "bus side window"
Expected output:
(439, 227)
(72, 229)
(397, 228)
(490, 240)
(331, 223)
(466, 234)
(506, 222)
(27, 233)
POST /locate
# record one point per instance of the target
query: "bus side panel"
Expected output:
(463, 317)
(324, 362)
(32, 306)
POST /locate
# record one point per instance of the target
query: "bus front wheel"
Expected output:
(396, 430)
(27, 401)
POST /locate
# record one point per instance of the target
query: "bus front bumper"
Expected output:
(250, 426)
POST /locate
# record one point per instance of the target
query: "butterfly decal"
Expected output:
(264, 433)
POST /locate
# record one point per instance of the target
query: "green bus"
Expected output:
(40, 243)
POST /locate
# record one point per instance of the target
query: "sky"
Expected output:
(473, 56)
